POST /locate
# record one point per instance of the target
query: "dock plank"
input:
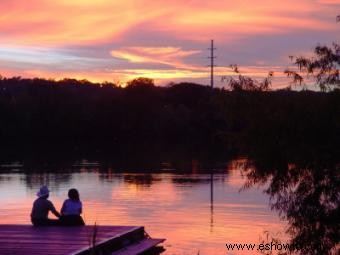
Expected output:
(139, 247)
(26, 239)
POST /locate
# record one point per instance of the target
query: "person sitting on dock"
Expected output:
(41, 207)
(71, 210)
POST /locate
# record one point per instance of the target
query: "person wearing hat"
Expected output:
(41, 207)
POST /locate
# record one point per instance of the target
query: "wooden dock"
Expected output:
(113, 240)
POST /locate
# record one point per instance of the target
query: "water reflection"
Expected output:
(193, 209)
(306, 193)
(141, 180)
(211, 202)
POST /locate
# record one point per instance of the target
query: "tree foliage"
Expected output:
(304, 189)
(141, 81)
(73, 110)
(323, 67)
(245, 83)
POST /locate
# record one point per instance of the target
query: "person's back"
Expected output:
(71, 207)
(41, 208)
(71, 210)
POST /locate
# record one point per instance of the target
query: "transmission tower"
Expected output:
(212, 57)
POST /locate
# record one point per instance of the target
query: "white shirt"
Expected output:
(71, 207)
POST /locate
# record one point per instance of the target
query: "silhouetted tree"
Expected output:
(306, 193)
(247, 83)
(141, 81)
(323, 67)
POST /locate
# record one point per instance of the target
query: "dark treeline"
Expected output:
(104, 116)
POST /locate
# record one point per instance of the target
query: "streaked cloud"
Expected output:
(168, 56)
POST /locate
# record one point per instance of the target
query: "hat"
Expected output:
(43, 191)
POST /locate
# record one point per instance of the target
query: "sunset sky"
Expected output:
(165, 40)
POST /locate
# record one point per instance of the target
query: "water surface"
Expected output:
(193, 211)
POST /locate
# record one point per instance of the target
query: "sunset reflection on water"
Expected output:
(178, 207)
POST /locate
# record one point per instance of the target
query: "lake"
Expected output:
(196, 211)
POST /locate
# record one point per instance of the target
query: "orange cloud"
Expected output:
(62, 22)
(162, 55)
(57, 23)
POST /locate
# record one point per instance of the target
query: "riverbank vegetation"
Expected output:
(81, 114)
